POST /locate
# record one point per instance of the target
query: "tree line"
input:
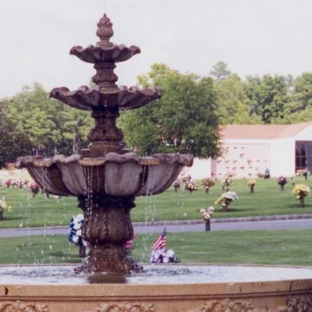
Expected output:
(187, 118)
(31, 123)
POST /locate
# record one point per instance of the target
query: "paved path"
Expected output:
(254, 223)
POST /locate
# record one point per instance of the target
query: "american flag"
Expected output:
(161, 241)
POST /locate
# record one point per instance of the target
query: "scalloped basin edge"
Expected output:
(114, 175)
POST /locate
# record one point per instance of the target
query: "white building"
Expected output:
(250, 149)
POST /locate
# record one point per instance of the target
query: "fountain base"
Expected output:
(106, 230)
(109, 259)
(248, 289)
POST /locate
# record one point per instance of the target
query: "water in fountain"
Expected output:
(154, 274)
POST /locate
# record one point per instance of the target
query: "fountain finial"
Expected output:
(104, 31)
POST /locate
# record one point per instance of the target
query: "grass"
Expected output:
(34, 212)
(267, 200)
(282, 247)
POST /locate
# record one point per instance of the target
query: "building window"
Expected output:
(303, 157)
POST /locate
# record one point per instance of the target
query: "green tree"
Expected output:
(49, 125)
(289, 80)
(302, 93)
(182, 121)
(76, 125)
(31, 113)
(13, 144)
(301, 116)
(299, 109)
(232, 101)
(219, 71)
(267, 97)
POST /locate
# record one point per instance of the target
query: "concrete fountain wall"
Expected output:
(270, 296)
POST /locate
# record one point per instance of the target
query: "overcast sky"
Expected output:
(253, 37)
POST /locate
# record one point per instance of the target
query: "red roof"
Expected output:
(262, 131)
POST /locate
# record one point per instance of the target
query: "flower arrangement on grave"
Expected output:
(251, 183)
(129, 244)
(300, 191)
(191, 186)
(226, 199)
(74, 235)
(33, 188)
(186, 179)
(281, 181)
(303, 172)
(176, 184)
(75, 225)
(207, 183)
(163, 256)
(266, 174)
(3, 206)
(207, 213)
(226, 182)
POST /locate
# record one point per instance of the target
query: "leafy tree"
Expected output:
(267, 97)
(301, 116)
(232, 101)
(299, 109)
(182, 121)
(302, 93)
(30, 113)
(13, 144)
(289, 80)
(44, 121)
(76, 125)
(219, 71)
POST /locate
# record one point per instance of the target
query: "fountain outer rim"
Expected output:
(244, 288)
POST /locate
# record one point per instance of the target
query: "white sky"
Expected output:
(253, 37)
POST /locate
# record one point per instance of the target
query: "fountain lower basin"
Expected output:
(182, 288)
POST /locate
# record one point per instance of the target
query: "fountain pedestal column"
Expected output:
(106, 229)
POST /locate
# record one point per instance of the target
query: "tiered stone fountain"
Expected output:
(106, 179)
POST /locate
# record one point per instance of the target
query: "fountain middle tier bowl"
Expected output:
(162, 288)
(113, 174)
(95, 98)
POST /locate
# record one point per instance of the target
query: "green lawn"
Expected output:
(267, 200)
(282, 247)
